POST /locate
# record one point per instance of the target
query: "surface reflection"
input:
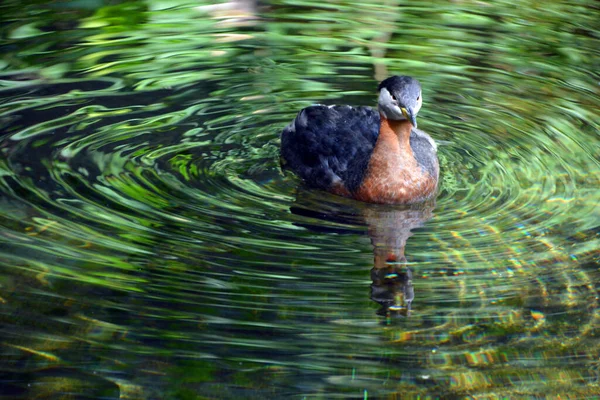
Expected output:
(388, 227)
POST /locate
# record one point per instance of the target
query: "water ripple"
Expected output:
(147, 223)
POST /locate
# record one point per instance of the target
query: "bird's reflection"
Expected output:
(388, 227)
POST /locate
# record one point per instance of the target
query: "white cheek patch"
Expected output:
(385, 98)
(388, 107)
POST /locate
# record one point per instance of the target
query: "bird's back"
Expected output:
(330, 145)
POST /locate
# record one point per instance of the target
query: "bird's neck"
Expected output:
(393, 175)
(397, 133)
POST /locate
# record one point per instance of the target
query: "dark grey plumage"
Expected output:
(326, 145)
(425, 152)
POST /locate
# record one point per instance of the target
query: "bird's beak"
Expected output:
(408, 114)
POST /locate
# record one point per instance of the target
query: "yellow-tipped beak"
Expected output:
(405, 113)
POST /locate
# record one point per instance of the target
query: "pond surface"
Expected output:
(153, 249)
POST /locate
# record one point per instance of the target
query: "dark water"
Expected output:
(151, 247)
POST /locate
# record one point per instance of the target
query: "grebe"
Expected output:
(375, 157)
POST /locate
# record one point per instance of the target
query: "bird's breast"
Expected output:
(394, 176)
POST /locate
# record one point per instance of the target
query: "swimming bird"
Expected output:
(372, 156)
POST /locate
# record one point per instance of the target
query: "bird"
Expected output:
(374, 156)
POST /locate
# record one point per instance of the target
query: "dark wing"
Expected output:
(328, 145)
(425, 152)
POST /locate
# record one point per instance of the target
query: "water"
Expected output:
(152, 248)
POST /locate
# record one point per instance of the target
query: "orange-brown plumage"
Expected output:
(393, 174)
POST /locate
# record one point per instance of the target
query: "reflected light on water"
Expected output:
(152, 247)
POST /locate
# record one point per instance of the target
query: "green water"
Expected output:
(151, 248)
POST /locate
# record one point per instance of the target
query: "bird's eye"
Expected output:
(394, 98)
(418, 98)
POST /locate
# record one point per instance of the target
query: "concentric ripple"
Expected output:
(153, 248)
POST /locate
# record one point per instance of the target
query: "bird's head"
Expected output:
(400, 98)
